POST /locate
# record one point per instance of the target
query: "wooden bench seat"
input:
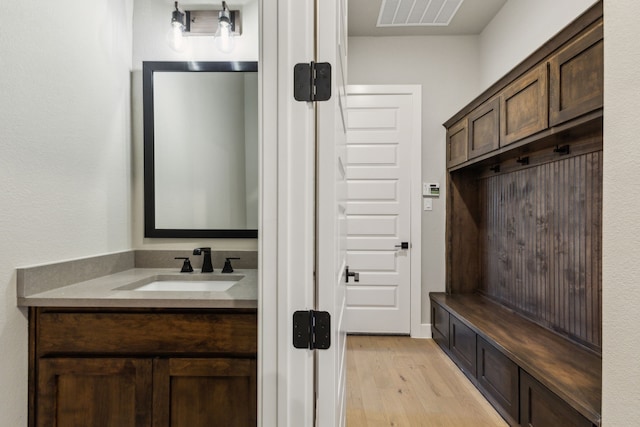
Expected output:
(569, 370)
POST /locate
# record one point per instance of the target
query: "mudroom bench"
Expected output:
(522, 312)
(531, 375)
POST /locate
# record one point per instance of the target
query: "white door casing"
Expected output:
(384, 181)
(331, 213)
(286, 232)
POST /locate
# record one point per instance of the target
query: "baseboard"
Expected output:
(423, 331)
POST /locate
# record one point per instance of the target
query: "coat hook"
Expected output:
(562, 150)
(495, 168)
(523, 160)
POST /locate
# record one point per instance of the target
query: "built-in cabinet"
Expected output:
(142, 367)
(457, 143)
(576, 74)
(499, 367)
(524, 106)
(563, 86)
(522, 312)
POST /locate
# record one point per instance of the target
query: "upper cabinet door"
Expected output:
(524, 107)
(576, 77)
(457, 143)
(484, 128)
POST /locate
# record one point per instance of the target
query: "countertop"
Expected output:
(110, 291)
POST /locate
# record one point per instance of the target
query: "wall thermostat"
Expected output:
(431, 189)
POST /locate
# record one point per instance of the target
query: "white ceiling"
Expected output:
(471, 18)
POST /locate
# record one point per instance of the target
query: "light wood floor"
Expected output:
(404, 382)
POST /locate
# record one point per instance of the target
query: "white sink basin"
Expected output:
(184, 283)
(187, 286)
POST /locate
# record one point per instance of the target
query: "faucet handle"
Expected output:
(186, 265)
(227, 265)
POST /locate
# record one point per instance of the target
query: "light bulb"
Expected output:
(174, 35)
(175, 39)
(224, 39)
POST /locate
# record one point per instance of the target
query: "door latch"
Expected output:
(403, 245)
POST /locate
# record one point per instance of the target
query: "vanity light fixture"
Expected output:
(174, 36)
(224, 37)
(223, 25)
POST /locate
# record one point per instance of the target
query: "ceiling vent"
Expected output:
(404, 13)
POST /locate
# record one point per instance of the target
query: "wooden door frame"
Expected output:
(418, 329)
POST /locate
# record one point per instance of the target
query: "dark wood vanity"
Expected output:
(522, 312)
(142, 367)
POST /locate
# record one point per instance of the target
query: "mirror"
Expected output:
(200, 149)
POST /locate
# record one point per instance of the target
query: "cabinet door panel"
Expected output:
(440, 325)
(498, 377)
(524, 106)
(94, 392)
(539, 407)
(205, 392)
(484, 129)
(462, 340)
(457, 143)
(577, 77)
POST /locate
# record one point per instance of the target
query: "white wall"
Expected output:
(446, 67)
(621, 204)
(64, 152)
(151, 19)
(521, 27)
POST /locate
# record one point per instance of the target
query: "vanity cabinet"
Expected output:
(143, 367)
(94, 392)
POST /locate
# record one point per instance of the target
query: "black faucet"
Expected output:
(207, 266)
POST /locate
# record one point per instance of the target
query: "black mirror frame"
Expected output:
(148, 69)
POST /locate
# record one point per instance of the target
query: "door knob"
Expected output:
(403, 245)
(356, 276)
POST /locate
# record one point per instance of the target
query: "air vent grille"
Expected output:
(403, 13)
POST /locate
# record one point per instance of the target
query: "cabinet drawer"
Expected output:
(577, 77)
(498, 378)
(539, 407)
(484, 129)
(524, 106)
(462, 341)
(440, 325)
(146, 332)
(457, 143)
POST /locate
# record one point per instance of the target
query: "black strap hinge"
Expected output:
(312, 329)
(312, 82)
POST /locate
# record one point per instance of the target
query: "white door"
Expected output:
(331, 208)
(379, 139)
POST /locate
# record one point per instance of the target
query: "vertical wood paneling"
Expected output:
(541, 252)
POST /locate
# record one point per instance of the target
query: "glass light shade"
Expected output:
(224, 39)
(175, 40)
